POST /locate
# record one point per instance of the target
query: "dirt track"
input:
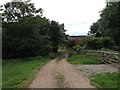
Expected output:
(46, 77)
(61, 74)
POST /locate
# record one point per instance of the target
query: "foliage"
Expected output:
(18, 73)
(108, 24)
(94, 27)
(14, 11)
(73, 42)
(21, 40)
(57, 35)
(61, 50)
(77, 48)
(27, 33)
(105, 80)
(99, 43)
(116, 48)
(98, 34)
(83, 59)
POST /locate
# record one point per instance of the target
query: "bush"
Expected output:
(93, 43)
(108, 43)
(71, 43)
(116, 48)
(99, 43)
(77, 48)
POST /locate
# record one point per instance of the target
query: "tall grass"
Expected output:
(19, 73)
(84, 59)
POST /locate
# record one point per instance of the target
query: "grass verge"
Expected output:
(84, 59)
(20, 72)
(105, 80)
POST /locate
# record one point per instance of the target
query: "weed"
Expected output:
(60, 80)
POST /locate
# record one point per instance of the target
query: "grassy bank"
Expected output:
(84, 59)
(105, 80)
(20, 72)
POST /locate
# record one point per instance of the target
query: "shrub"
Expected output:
(71, 43)
(93, 43)
(99, 43)
(107, 43)
(77, 48)
(116, 48)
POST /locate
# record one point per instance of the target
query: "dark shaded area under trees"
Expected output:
(26, 33)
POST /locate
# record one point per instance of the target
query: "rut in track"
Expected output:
(45, 77)
(59, 74)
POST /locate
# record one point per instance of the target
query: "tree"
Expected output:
(21, 31)
(57, 34)
(108, 24)
(29, 34)
(94, 28)
(109, 21)
(14, 11)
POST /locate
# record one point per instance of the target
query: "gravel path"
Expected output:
(89, 70)
(59, 74)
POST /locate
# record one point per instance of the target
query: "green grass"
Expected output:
(84, 59)
(105, 80)
(19, 73)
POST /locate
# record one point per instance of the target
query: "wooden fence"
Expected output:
(106, 56)
(110, 57)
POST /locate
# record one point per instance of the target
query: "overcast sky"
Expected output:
(77, 15)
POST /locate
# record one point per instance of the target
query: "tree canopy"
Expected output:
(108, 24)
(26, 33)
(94, 28)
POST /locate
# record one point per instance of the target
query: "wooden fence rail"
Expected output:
(110, 57)
(106, 56)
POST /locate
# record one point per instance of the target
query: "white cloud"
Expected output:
(77, 15)
(4, 1)
(72, 13)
